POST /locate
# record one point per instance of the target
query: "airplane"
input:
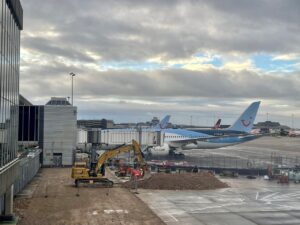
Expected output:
(217, 125)
(163, 123)
(294, 133)
(243, 125)
(181, 139)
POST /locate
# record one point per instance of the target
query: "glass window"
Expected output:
(9, 84)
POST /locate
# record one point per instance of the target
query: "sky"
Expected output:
(134, 59)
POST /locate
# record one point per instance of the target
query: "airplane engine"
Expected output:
(159, 150)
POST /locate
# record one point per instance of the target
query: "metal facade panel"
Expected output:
(60, 132)
(81, 136)
(17, 12)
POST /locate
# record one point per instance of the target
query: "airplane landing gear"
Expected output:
(174, 155)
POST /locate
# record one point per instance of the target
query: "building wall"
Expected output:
(11, 22)
(81, 136)
(59, 136)
(9, 82)
(103, 124)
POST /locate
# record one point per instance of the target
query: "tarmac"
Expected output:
(247, 202)
(258, 153)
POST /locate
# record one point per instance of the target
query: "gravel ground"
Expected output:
(52, 199)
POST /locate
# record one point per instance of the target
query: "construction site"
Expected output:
(84, 149)
(129, 190)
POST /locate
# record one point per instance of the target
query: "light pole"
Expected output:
(72, 75)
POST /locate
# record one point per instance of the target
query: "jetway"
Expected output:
(125, 136)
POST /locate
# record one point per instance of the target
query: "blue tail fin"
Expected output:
(163, 123)
(245, 122)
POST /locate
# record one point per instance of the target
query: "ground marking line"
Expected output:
(269, 196)
(216, 206)
(287, 195)
(173, 217)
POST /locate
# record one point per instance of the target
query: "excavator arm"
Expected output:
(99, 169)
(138, 152)
(83, 174)
(110, 154)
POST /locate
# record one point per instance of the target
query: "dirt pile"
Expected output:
(186, 181)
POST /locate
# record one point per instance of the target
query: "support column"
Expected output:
(9, 198)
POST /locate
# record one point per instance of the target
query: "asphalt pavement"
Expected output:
(247, 202)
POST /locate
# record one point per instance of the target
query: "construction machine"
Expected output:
(125, 170)
(96, 172)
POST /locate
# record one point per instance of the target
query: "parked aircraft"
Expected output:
(217, 125)
(243, 125)
(181, 139)
(163, 123)
(294, 133)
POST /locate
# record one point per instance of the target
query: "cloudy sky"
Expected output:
(134, 59)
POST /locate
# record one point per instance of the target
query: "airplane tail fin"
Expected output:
(245, 122)
(218, 124)
(163, 123)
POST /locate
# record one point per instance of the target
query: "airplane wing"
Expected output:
(180, 143)
(232, 138)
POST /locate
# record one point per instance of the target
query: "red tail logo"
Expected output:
(246, 123)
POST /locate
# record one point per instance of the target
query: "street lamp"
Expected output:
(72, 75)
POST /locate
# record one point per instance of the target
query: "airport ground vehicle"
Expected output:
(96, 172)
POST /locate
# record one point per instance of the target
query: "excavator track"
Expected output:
(103, 181)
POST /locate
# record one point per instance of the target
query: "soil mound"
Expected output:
(185, 181)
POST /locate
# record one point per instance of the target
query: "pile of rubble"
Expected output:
(185, 181)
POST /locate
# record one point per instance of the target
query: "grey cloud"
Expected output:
(179, 92)
(48, 47)
(168, 83)
(139, 30)
(212, 83)
(174, 29)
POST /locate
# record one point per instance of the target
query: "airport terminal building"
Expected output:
(11, 17)
(52, 127)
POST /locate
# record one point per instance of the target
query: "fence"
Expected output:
(251, 162)
(239, 161)
(29, 166)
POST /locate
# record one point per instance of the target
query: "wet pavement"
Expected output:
(259, 153)
(247, 202)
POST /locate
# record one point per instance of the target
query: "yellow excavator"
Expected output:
(96, 173)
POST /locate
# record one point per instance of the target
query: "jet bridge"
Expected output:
(114, 137)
